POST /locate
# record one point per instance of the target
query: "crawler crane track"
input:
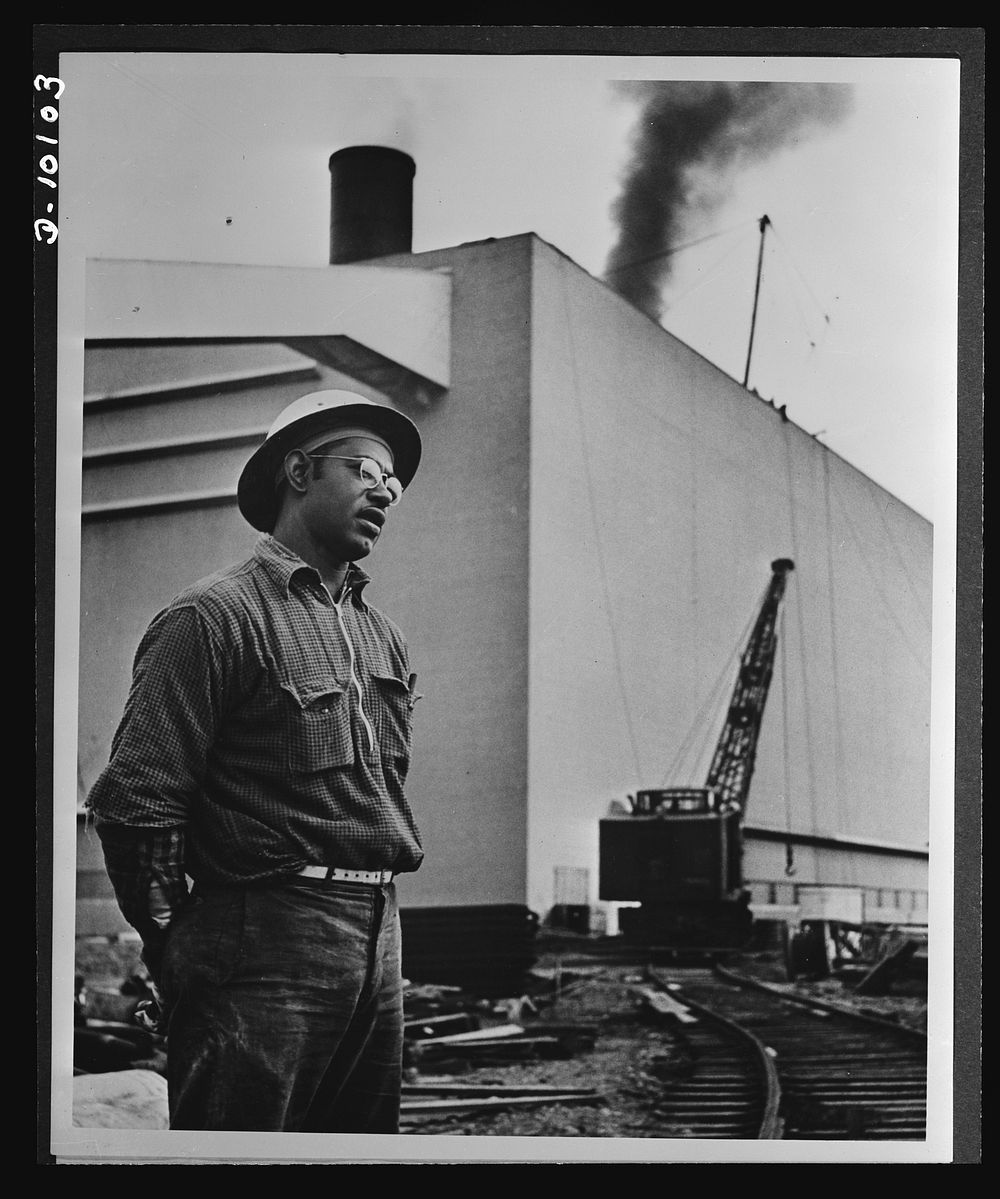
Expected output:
(762, 1064)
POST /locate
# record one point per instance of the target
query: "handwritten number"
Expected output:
(44, 83)
(46, 230)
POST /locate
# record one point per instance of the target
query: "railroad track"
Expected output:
(760, 1064)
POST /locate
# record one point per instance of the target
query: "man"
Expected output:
(263, 754)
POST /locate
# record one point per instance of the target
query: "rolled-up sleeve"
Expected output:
(146, 869)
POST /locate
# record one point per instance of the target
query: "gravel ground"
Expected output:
(626, 1064)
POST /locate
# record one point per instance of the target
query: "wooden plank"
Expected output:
(502, 1049)
(666, 1005)
(496, 1033)
(507, 1044)
(435, 1107)
(472, 1089)
(437, 1026)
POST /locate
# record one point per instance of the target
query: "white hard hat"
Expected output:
(302, 419)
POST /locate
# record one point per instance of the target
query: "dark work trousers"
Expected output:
(285, 1007)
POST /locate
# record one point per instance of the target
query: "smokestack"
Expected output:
(371, 203)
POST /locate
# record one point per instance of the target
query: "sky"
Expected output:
(854, 161)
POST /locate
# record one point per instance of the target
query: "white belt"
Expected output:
(378, 877)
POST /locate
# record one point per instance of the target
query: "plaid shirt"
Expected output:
(267, 728)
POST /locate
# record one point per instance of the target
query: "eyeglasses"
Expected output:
(372, 475)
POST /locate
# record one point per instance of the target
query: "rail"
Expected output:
(840, 1074)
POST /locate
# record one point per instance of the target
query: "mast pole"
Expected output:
(764, 222)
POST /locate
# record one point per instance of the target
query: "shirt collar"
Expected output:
(284, 566)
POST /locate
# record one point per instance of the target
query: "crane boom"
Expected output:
(679, 850)
(736, 752)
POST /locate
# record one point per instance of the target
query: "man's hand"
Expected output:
(151, 1013)
(148, 1015)
(151, 1016)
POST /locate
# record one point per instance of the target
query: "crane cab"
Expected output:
(682, 862)
(675, 846)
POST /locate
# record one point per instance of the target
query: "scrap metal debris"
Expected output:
(473, 1033)
(103, 1046)
(897, 959)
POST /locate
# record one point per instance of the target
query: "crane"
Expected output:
(678, 851)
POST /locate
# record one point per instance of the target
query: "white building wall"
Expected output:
(661, 492)
(454, 574)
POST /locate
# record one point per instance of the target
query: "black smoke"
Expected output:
(688, 143)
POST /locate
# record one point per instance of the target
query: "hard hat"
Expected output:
(310, 414)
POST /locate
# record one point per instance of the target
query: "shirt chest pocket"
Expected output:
(392, 712)
(319, 724)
